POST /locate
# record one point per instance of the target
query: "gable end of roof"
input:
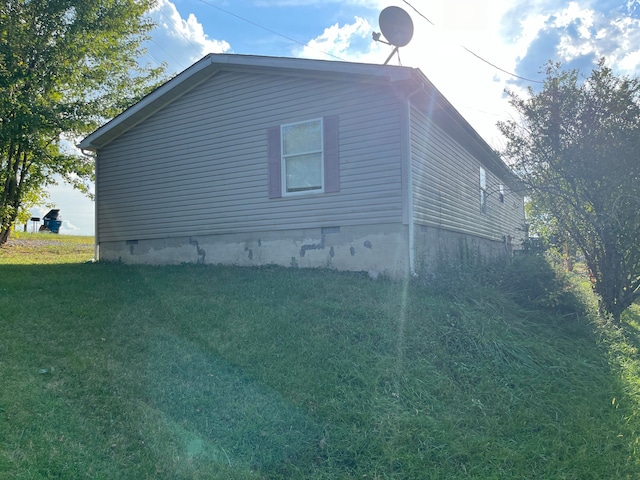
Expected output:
(210, 65)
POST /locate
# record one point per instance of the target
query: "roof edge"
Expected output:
(209, 66)
(146, 106)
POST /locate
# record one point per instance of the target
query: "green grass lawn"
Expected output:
(49, 248)
(111, 371)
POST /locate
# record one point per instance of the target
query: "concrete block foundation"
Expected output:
(377, 249)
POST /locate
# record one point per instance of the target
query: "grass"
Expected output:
(46, 248)
(191, 371)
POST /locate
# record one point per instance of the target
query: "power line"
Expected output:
(150, 55)
(498, 68)
(167, 53)
(416, 10)
(255, 24)
(179, 29)
(475, 54)
(270, 30)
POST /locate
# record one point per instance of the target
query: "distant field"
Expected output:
(30, 248)
(112, 371)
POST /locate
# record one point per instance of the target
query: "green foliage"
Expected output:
(65, 66)
(538, 281)
(541, 225)
(534, 280)
(575, 147)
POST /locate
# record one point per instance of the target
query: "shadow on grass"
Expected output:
(119, 370)
(221, 413)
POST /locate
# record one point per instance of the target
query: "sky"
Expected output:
(471, 50)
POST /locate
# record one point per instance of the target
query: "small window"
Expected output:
(501, 193)
(483, 190)
(302, 157)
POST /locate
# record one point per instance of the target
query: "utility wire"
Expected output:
(150, 55)
(167, 53)
(341, 59)
(270, 30)
(179, 29)
(475, 54)
(416, 10)
(498, 68)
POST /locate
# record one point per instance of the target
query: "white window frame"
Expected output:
(283, 159)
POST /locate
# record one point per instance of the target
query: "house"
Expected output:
(251, 160)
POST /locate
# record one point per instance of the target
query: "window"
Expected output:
(304, 157)
(501, 193)
(483, 190)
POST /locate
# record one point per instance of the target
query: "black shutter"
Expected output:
(331, 154)
(275, 165)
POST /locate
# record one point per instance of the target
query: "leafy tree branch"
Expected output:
(576, 146)
(65, 67)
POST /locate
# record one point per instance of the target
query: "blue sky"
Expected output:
(516, 36)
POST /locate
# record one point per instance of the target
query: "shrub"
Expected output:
(536, 281)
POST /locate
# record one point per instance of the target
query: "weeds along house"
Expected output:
(253, 160)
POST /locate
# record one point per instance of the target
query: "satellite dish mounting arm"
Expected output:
(397, 28)
(393, 52)
(376, 37)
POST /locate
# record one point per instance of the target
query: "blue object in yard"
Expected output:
(51, 222)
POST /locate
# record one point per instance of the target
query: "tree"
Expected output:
(65, 66)
(577, 147)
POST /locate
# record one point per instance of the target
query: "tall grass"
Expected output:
(116, 371)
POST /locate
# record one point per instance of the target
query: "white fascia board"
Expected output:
(387, 72)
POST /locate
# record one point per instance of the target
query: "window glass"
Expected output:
(302, 156)
(302, 138)
(483, 190)
(304, 172)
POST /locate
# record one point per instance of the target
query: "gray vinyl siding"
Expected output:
(199, 166)
(446, 185)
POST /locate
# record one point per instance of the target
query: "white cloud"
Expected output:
(179, 42)
(626, 55)
(336, 41)
(577, 33)
(630, 62)
(76, 210)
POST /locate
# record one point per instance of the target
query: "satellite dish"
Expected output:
(396, 26)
